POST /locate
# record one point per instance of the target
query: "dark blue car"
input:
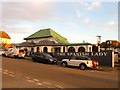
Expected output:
(43, 58)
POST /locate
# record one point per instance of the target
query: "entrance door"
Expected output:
(45, 49)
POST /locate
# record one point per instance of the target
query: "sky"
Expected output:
(78, 20)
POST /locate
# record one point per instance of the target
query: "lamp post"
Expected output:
(98, 42)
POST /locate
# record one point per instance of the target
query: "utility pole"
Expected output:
(98, 42)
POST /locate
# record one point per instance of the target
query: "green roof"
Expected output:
(85, 43)
(47, 33)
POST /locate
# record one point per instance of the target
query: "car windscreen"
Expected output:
(21, 50)
(48, 55)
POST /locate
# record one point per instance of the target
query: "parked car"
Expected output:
(14, 52)
(1, 52)
(81, 62)
(21, 54)
(43, 57)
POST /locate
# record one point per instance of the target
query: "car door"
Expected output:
(72, 61)
(40, 57)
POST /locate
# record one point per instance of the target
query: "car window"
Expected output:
(21, 50)
(85, 58)
(36, 54)
(73, 58)
(47, 55)
(39, 55)
(77, 58)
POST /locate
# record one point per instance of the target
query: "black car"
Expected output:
(43, 58)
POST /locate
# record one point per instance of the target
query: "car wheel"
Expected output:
(46, 62)
(64, 64)
(82, 66)
(34, 60)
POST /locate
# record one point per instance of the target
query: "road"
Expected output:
(23, 73)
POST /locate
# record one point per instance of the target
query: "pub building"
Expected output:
(47, 40)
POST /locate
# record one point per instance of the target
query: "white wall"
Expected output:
(4, 40)
(85, 46)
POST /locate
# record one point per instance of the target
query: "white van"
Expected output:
(14, 52)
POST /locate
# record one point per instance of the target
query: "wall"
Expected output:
(104, 58)
(85, 46)
(4, 40)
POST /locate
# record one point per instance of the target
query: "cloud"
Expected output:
(26, 11)
(83, 18)
(111, 25)
(79, 14)
(91, 5)
(74, 25)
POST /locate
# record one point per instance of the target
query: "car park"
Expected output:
(43, 58)
(81, 62)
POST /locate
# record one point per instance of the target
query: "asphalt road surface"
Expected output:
(23, 73)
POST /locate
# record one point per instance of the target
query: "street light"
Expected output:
(98, 42)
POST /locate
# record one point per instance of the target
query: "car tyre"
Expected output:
(82, 66)
(64, 64)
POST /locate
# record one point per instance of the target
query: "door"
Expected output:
(74, 61)
(71, 61)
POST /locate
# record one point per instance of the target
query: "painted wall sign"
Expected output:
(82, 54)
(104, 58)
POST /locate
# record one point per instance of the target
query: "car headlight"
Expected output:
(51, 60)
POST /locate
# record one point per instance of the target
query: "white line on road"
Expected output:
(47, 83)
(40, 84)
(59, 86)
(5, 73)
(12, 75)
(36, 80)
(30, 81)
(5, 70)
(27, 77)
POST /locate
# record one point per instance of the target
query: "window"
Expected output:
(81, 49)
(71, 49)
(45, 49)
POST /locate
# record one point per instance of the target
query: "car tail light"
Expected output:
(21, 53)
(94, 62)
(87, 62)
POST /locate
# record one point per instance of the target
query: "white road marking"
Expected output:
(47, 83)
(59, 86)
(12, 75)
(6, 70)
(5, 73)
(36, 80)
(39, 84)
(27, 77)
(30, 81)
